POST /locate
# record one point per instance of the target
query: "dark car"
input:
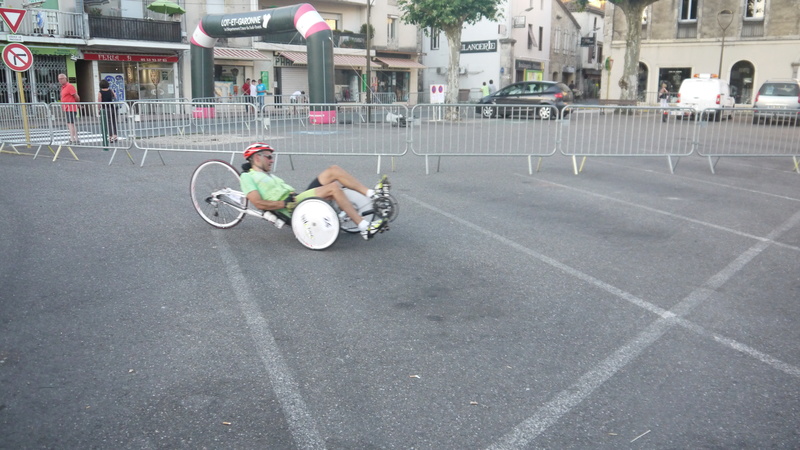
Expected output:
(538, 98)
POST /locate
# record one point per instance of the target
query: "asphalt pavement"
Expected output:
(625, 307)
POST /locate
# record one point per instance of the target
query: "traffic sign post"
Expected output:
(19, 59)
(12, 17)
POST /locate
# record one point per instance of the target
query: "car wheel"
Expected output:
(756, 121)
(545, 113)
(717, 116)
(488, 112)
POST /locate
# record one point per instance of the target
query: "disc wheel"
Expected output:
(315, 223)
(215, 194)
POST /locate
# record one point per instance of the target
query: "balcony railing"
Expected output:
(138, 29)
(687, 30)
(49, 22)
(752, 29)
(341, 39)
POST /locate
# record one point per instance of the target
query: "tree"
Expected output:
(633, 10)
(450, 17)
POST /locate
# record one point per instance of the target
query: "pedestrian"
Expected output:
(663, 98)
(492, 87)
(246, 90)
(485, 89)
(261, 90)
(69, 95)
(254, 94)
(106, 97)
(296, 97)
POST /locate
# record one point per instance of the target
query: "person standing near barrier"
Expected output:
(246, 90)
(296, 97)
(261, 90)
(492, 87)
(253, 94)
(108, 96)
(663, 98)
(69, 95)
(484, 89)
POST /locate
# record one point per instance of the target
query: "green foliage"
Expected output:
(363, 30)
(448, 14)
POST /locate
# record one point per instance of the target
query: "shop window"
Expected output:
(435, 38)
(754, 9)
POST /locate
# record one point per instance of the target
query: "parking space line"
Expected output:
(302, 426)
(712, 183)
(669, 214)
(550, 412)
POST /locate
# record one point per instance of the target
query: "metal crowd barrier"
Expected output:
(390, 130)
(625, 131)
(26, 124)
(476, 132)
(359, 130)
(95, 124)
(749, 132)
(193, 127)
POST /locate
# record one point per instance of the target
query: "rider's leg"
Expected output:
(336, 173)
(333, 191)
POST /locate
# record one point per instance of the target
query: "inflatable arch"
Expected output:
(303, 18)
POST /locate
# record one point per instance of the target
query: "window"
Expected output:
(541, 33)
(435, 39)
(531, 40)
(391, 28)
(754, 9)
(688, 10)
(333, 20)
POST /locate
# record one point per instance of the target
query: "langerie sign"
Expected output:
(479, 46)
(129, 58)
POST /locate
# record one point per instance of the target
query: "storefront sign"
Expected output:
(129, 58)
(479, 47)
(587, 41)
(521, 64)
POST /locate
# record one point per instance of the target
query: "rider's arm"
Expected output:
(267, 205)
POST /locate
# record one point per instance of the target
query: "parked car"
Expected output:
(542, 99)
(705, 92)
(778, 100)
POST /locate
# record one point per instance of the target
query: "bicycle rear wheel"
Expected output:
(215, 194)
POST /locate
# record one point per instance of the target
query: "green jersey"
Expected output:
(268, 186)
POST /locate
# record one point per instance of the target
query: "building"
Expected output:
(761, 41)
(533, 40)
(280, 59)
(590, 64)
(138, 50)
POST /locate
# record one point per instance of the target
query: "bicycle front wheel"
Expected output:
(215, 194)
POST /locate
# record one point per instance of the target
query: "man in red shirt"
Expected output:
(69, 95)
(246, 90)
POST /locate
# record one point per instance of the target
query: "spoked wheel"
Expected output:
(384, 206)
(215, 194)
(315, 223)
(545, 113)
(488, 112)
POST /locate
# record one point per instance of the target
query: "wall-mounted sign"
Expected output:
(479, 47)
(519, 21)
(587, 41)
(521, 64)
(128, 58)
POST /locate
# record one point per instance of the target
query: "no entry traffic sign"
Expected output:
(17, 57)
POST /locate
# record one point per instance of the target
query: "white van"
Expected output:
(705, 92)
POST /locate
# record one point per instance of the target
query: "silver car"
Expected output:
(778, 100)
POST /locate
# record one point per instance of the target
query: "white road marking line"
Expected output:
(563, 402)
(669, 214)
(304, 430)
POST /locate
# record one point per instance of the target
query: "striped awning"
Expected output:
(338, 60)
(238, 53)
(400, 63)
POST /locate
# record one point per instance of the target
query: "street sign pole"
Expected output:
(24, 109)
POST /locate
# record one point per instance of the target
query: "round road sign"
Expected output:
(17, 57)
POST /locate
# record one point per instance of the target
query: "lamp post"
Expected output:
(724, 19)
(369, 48)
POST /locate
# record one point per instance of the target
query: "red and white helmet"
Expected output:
(255, 148)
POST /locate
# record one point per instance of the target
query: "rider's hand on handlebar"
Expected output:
(289, 202)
